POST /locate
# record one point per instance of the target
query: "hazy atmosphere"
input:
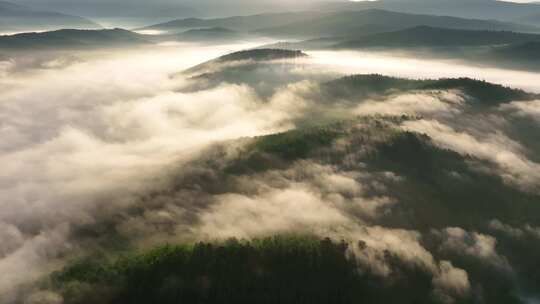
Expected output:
(269, 151)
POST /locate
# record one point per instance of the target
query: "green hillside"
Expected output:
(289, 269)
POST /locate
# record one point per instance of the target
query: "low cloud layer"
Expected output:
(524, 108)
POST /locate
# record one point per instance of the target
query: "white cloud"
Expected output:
(81, 140)
(451, 282)
(295, 208)
(494, 147)
(515, 232)
(399, 65)
(524, 108)
(473, 244)
(421, 103)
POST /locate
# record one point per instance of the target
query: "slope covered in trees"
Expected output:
(438, 188)
(237, 66)
(366, 85)
(483, 9)
(284, 269)
(424, 36)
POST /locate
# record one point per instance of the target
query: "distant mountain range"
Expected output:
(415, 37)
(118, 9)
(71, 39)
(500, 48)
(76, 39)
(344, 23)
(425, 36)
(86, 39)
(483, 9)
(241, 23)
(371, 28)
(375, 21)
(18, 18)
(158, 9)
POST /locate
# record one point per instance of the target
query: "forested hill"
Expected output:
(252, 56)
(486, 93)
(438, 188)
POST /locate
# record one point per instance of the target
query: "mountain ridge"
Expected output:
(376, 20)
(317, 24)
(433, 36)
(20, 18)
(71, 38)
(483, 9)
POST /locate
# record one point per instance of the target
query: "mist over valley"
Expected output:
(321, 152)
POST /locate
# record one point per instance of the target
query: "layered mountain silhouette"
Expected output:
(376, 21)
(17, 18)
(249, 56)
(478, 9)
(71, 39)
(321, 24)
(242, 23)
(425, 36)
